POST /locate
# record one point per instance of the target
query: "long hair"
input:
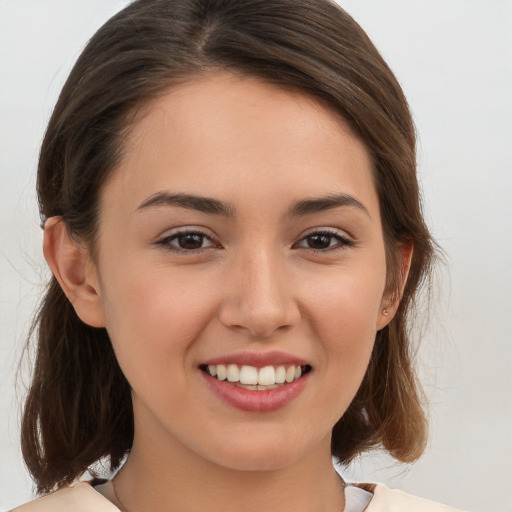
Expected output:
(79, 408)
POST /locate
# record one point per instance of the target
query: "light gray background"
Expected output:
(454, 60)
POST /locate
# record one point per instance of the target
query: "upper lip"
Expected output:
(257, 359)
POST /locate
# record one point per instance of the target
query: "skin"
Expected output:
(255, 284)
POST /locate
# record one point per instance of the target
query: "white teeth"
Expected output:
(268, 376)
(233, 373)
(290, 374)
(248, 375)
(221, 372)
(280, 375)
(258, 387)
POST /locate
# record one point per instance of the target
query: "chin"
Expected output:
(260, 453)
(262, 461)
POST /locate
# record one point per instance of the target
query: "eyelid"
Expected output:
(169, 235)
(327, 230)
(345, 240)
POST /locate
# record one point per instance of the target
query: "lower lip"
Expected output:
(255, 401)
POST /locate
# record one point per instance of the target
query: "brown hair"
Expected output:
(78, 409)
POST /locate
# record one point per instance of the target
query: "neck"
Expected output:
(177, 480)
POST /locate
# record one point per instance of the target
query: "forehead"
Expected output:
(223, 132)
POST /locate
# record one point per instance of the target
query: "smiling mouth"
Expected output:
(258, 379)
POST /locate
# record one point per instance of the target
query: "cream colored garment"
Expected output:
(388, 500)
(84, 498)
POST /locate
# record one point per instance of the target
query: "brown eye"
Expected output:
(187, 241)
(190, 241)
(320, 241)
(325, 241)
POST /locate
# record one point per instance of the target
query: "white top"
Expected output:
(83, 497)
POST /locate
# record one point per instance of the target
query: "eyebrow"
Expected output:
(214, 206)
(310, 206)
(190, 202)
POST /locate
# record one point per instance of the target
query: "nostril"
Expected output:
(260, 312)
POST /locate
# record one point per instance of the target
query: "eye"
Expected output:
(187, 241)
(325, 240)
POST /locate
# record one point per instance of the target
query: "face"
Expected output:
(241, 236)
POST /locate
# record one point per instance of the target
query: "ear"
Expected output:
(391, 301)
(73, 268)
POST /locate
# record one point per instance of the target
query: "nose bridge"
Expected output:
(263, 280)
(261, 298)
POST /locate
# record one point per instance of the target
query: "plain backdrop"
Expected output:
(454, 60)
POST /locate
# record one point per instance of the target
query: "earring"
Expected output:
(384, 311)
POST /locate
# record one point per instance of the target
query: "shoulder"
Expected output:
(388, 500)
(79, 498)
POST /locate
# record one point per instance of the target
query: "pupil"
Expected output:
(319, 241)
(191, 241)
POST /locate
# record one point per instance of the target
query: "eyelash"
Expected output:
(167, 241)
(343, 242)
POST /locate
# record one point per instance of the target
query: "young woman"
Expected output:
(232, 218)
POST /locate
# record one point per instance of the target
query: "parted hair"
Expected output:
(78, 409)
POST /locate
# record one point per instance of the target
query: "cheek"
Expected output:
(153, 319)
(344, 313)
(348, 299)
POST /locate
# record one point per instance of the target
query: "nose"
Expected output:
(260, 296)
